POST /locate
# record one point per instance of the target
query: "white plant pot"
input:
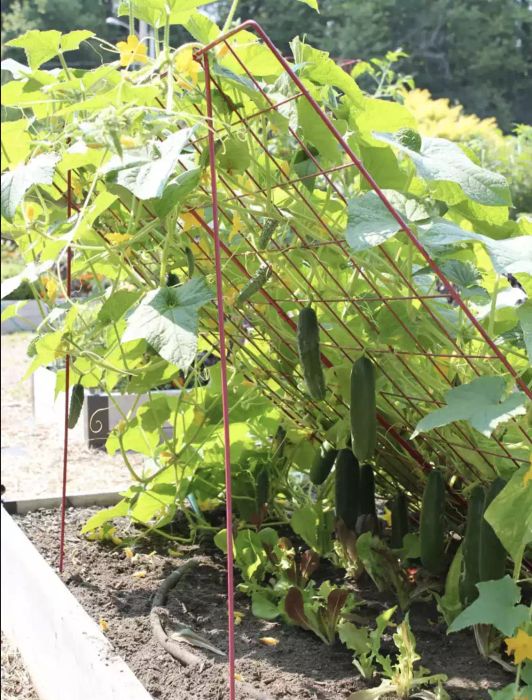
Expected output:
(99, 415)
(27, 318)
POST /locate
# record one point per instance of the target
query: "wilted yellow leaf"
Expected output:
(239, 616)
(269, 641)
(139, 574)
(128, 552)
(104, 625)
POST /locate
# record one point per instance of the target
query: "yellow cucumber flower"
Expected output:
(117, 238)
(132, 51)
(187, 68)
(520, 646)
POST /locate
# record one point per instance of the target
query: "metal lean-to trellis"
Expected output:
(265, 329)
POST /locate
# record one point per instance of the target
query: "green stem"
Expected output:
(64, 65)
(169, 70)
(493, 309)
(131, 20)
(230, 16)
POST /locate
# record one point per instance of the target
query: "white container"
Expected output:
(27, 318)
(99, 414)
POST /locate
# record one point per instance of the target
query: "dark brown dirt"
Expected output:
(118, 590)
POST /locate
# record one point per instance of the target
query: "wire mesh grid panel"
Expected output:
(300, 216)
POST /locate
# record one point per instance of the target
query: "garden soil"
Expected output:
(117, 591)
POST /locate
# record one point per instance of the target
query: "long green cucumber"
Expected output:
(366, 502)
(308, 344)
(399, 510)
(363, 410)
(76, 404)
(323, 463)
(347, 474)
(254, 284)
(267, 232)
(492, 555)
(471, 546)
(432, 525)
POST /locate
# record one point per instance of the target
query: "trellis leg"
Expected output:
(223, 367)
(67, 391)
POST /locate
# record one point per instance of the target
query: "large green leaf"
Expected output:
(176, 191)
(377, 114)
(30, 273)
(15, 183)
(315, 132)
(497, 605)
(321, 69)
(145, 174)
(507, 255)
(167, 319)
(480, 403)
(369, 222)
(443, 161)
(41, 46)
(510, 514)
(155, 12)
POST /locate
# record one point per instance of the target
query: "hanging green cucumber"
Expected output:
(432, 525)
(366, 488)
(254, 284)
(347, 472)
(471, 546)
(190, 261)
(399, 510)
(76, 404)
(267, 232)
(363, 410)
(308, 344)
(492, 559)
(323, 463)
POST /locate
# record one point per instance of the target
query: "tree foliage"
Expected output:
(479, 52)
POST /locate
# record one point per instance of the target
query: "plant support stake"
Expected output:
(223, 370)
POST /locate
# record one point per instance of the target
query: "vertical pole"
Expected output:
(223, 367)
(67, 391)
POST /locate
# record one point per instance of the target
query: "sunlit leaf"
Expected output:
(15, 183)
(167, 318)
(442, 160)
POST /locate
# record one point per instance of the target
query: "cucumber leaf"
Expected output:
(480, 403)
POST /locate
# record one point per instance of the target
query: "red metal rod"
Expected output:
(225, 394)
(67, 393)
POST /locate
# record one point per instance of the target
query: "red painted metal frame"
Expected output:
(67, 393)
(225, 393)
(251, 24)
(234, 257)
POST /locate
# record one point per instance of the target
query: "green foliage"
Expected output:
(497, 604)
(480, 402)
(440, 37)
(401, 677)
